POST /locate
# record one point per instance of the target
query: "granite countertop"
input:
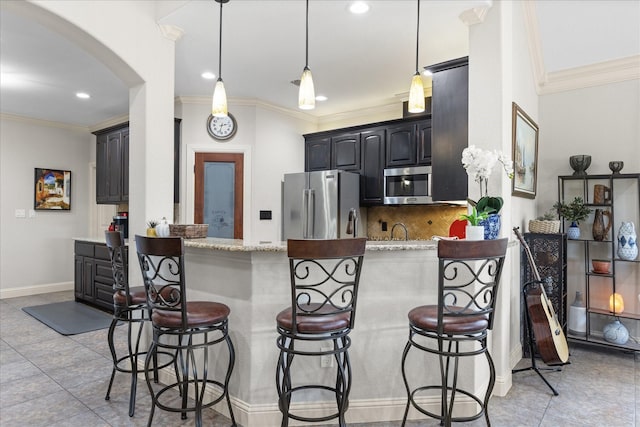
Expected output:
(234, 245)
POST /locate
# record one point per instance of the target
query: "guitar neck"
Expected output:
(532, 264)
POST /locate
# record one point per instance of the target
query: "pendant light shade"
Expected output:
(307, 93)
(219, 103)
(416, 93)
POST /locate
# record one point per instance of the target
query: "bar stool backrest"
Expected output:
(118, 256)
(162, 265)
(468, 278)
(325, 276)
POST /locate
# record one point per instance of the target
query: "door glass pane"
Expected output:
(219, 181)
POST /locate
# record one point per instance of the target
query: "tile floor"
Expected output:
(47, 379)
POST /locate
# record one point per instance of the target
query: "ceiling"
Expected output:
(357, 60)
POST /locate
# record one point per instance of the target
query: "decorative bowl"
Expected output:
(580, 163)
(616, 166)
(601, 266)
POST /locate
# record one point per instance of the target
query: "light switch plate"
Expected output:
(32, 213)
(21, 213)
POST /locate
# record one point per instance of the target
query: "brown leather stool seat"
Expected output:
(188, 327)
(325, 276)
(130, 307)
(468, 278)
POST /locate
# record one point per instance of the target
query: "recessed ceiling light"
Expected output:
(83, 95)
(321, 98)
(208, 75)
(359, 7)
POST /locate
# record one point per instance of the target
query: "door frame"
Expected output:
(187, 181)
(238, 187)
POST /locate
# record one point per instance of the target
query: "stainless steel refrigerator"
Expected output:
(317, 205)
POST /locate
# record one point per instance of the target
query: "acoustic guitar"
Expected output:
(550, 339)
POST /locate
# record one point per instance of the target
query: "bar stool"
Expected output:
(130, 307)
(325, 275)
(468, 277)
(182, 326)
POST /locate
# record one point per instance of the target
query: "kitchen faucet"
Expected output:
(352, 224)
(406, 233)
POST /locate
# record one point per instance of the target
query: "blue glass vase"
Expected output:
(491, 226)
(573, 232)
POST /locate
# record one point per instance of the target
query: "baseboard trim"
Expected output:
(35, 290)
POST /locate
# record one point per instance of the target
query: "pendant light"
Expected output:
(306, 94)
(416, 93)
(219, 103)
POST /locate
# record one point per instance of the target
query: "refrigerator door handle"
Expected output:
(305, 212)
(309, 216)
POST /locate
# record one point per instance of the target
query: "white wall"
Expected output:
(36, 254)
(272, 143)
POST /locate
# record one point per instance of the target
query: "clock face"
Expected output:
(222, 128)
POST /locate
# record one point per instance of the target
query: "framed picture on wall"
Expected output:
(52, 190)
(525, 154)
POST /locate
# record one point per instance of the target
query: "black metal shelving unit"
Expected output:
(595, 285)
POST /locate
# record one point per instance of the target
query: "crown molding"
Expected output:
(547, 82)
(475, 15)
(171, 32)
(40, 122)
(532, 26)
(109, 123)
(608, 72)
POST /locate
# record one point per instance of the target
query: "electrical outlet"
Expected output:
(326, 361)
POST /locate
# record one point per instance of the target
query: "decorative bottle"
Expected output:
(578, 316)
(627, 242)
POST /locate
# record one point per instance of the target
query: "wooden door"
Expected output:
(218, 193)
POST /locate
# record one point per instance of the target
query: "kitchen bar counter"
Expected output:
(253, 280)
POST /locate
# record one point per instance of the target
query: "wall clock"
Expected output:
(222, 128)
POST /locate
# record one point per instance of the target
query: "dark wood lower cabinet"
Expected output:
(93, 275)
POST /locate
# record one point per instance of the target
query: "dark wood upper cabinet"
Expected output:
(450, 132)
(401, 145)
(345, 152)
(423, 134)
(112, 165)
(371, 175)
(317, 154)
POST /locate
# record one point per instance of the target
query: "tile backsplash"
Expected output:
(422, 221)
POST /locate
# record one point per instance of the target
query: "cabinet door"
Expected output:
(124, 155)
(371, 177)
(317, 154)
(401, 145)
(450, 111)
(78, 276)
(87, 279)
(424, 142)
(114, 164)
(102, 169)
(345, 152)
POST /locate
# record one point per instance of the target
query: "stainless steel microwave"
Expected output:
(404, 186)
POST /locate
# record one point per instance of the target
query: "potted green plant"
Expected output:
(475, 231)
(575, 211)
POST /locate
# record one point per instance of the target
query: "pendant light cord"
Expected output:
(306, 58)
(220, 47)
(417, 35)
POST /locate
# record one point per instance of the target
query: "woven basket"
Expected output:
(189, 231)
(545, 227)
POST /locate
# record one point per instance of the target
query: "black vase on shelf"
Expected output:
(580, 163)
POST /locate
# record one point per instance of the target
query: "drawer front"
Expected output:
(104, 296)
(102, 252)
(84, 249)
(104, 273)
